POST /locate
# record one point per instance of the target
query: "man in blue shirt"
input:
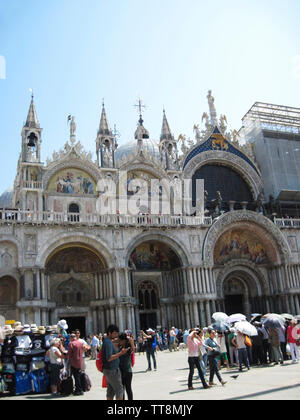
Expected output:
(111, 369)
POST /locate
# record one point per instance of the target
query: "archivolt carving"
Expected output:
(223, 223)
(247, 270)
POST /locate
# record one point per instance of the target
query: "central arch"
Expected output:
(157, 266)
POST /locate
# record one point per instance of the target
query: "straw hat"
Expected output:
(8, 330)
(19, 328)
(41, 329)
(34, 328)
(49, 328)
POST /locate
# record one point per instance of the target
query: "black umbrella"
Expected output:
(273, 321)
(255, 317)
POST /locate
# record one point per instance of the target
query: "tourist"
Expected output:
(150, 346)
(275, 345)
(257, 345)
(126, 342)
(173, 339)
(194, 343)
(223, 350)
(75, 356)
(111, 364)
(141, 342)
(213, 352)
(239, 342)
(95, 345)
(56, 356)
(85, 346)
(292, 334)
(233, 353)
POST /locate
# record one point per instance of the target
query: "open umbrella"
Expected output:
(220, 326)
(287, 316)
(280, 317)
(246, 328)
(219, 316)
(236, 318)
(273, 321)
(255, 317)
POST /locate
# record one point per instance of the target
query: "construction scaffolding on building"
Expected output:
(270, 117)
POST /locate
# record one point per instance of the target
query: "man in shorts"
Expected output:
(111, 361)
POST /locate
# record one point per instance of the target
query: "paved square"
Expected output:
(169, 382)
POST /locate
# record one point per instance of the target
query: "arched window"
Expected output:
(148, 297)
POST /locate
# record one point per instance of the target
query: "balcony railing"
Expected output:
(48, 217)
(32, 185)
(287, 223)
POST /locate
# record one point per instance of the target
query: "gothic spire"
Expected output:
(32, 121)
(165, 130)
(104, 127)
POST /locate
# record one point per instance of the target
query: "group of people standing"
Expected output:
(210, 348)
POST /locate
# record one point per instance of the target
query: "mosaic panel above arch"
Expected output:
(240, 242)
(72, 181)
(154, 255)
(77, 259)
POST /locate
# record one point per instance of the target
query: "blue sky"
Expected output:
(73, 53)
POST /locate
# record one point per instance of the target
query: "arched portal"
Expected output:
(8, 297)
(157, 281)
(72, 272)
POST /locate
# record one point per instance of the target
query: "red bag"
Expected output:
(104, 383)
(99, 361)
(132, 359)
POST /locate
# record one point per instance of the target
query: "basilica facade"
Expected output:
(63, 257)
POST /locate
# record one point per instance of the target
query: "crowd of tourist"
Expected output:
(53, 360)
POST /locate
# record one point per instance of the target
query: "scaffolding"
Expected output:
(270, 117)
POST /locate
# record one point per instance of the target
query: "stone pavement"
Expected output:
(169, 382)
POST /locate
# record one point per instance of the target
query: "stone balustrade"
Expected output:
(48, 217)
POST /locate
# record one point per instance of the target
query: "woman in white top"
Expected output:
(55, 354)
(194, 343)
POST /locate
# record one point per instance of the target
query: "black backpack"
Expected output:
(66, 386)
(85, 382)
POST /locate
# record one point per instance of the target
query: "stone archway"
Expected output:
(73, 272)
(8, 297)
(154, 261)
(242, 286)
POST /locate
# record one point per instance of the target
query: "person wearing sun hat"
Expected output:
(150, 348)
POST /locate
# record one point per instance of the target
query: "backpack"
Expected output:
(85, 382)
(99, 361)
(65, 387)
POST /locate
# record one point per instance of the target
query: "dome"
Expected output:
(131, 148)
(6, 198)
